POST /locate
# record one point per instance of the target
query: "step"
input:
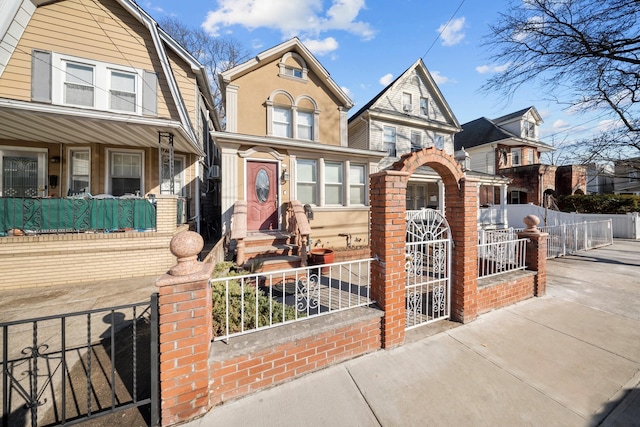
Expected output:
(282, 262)
(265, 238)
(270, 250)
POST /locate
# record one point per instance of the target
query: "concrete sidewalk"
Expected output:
(571, 358)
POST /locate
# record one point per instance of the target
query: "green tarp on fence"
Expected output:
(63, 215)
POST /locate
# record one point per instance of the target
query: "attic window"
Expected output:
(293, 66)
(529, 129)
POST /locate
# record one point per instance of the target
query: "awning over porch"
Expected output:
(25, 121)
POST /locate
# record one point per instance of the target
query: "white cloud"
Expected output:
(386, 79)
(291, 18)
(347, 91)
(321, 47)
(484, 69)
(439, 78)
(560, 124)
(452, 33)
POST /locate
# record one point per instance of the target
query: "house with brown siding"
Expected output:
(105, 124)
(286, 141)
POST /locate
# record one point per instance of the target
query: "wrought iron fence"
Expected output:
(70, 368)
(501, 255)
(251, 302)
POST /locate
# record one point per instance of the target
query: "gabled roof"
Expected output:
(518, 114)
(420, 68)
(292, 45)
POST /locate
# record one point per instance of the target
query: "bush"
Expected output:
(251, 298)
(599, 203)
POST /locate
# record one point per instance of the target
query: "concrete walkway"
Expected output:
(571, 358)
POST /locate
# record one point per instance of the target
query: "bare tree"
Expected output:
(217, 54)
(585, 50)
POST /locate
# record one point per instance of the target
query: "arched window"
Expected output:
(293, 66)
(292, 119)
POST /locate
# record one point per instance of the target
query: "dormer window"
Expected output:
(529, 130)
(292, 66)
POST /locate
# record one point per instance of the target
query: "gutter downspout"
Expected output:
(197, 197)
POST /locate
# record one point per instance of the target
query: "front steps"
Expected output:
(270, 251)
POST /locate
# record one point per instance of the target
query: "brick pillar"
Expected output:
(388, 228)
(536, 258)
(185, 325)
(166, 213)
(462, 216)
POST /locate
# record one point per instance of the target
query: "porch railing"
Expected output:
(36, 216)
(252, 302)
(492, 215)
(501, 256)
(566, 239)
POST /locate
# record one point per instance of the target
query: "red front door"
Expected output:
(262, 199)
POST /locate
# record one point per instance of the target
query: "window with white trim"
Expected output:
(304, 124)
(438, 141)
(389, 140)
(407, 105)
(357, 186)
(178, 177)
(416, 140)
(333, 183)
(529, 130)
(424, 106)
(122, 93)
(125, 172)
(80, 171)
(516, 156)
(531, 156)
(78, 84)
(282, 122)
(307, 181)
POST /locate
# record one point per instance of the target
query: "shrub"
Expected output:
(599, 203)
(265, 304)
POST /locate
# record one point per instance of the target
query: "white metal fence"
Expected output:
(501, 254)
(566, 239)
(252, 302)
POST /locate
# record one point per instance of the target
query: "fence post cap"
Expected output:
(186, 246)
(531, 221)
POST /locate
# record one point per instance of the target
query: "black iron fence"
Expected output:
(70, 368)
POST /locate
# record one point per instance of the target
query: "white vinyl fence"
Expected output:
(624, 226)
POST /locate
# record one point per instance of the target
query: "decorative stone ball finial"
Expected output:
(186, 246)
(531, 221)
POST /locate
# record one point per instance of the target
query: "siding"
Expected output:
(100, 31)
(358, 135)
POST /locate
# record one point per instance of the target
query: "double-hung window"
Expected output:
(516, 156)
(307, 181)
(122, 93)
(416, 140)
(389, 140)
(424, 106)
(530, 156)
(282, 122)
(80, 171)
(438, 141)
(333, 183)
(125, 172)
(79, 84)
(304, 125)
(357, 176)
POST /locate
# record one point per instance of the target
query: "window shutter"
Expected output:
(150, 93)
(41, 76)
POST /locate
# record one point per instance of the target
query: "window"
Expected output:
(305, 125)
(389, 140)
(78, 84)
(122, 94)
(515, 197)
(293, 72)
(530, 156)
(424, 106)
(307, 181)
(406, 102)
(529, 130)
(282, 122)
(178, 177)
(632, 175)
(125, 173)
(516, 156)
(80, 171)
(333, 181)
(416, 140)
(357, 176)
(438, 141)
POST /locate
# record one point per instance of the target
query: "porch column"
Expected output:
(185, 332)
(441, 201)
(503, 205)
(229, 191)
(388, 228)
(166, 213)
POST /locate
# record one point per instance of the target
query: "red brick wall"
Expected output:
(506, 293)
(248, 373)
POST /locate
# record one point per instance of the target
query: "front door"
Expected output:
(262, 196)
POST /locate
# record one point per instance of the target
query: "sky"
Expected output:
(365, 44)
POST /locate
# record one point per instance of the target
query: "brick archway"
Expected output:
(388, 228)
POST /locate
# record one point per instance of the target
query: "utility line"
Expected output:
(443, 28)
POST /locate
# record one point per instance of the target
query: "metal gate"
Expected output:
(428, 267)
(69, 368)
